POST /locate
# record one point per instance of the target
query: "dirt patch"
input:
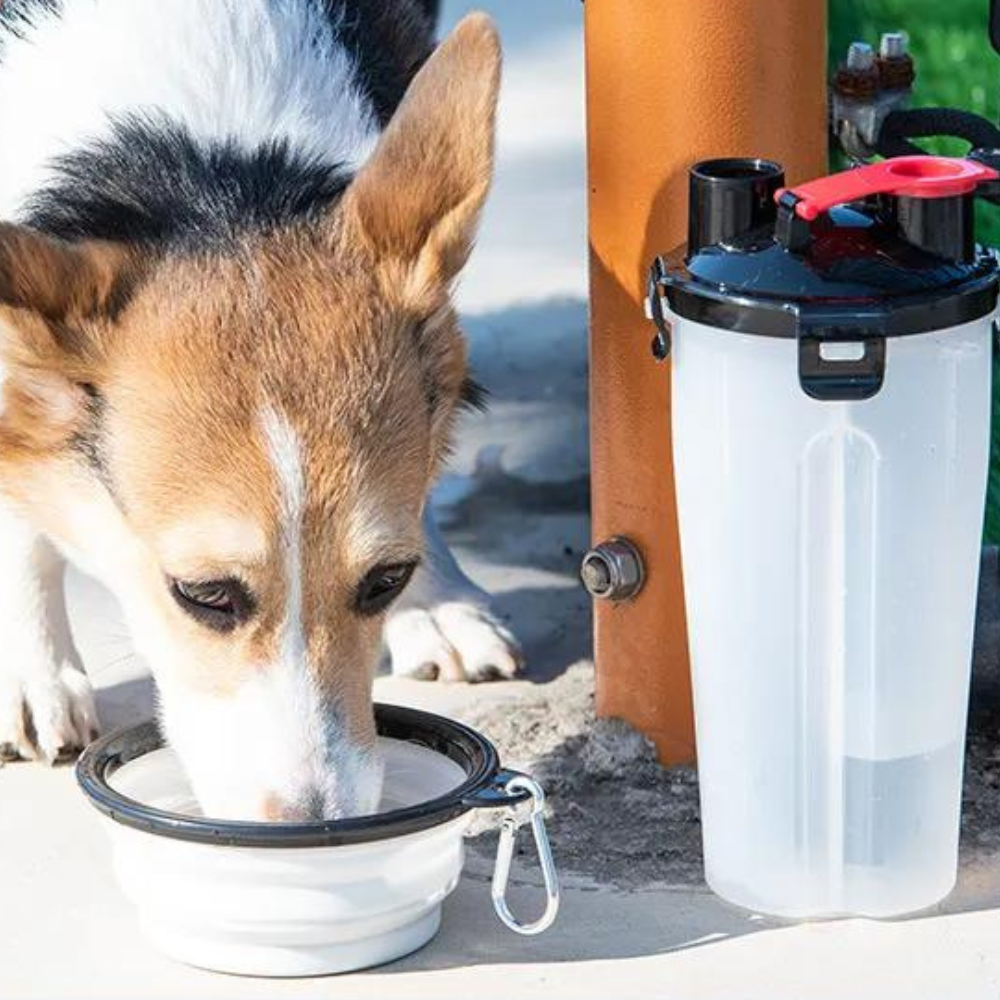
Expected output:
(620, 819)
(981, 793)
(616, 815)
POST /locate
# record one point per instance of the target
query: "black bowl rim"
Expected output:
(474, 753)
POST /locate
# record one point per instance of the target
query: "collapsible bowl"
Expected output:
(300, 899)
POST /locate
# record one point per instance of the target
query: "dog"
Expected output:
(230, 370)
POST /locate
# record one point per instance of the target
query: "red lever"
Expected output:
(911, 176)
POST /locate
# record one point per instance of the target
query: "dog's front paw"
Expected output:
(46, 714)
(452, 641)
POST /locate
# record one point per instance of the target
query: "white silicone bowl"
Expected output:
(302, 899)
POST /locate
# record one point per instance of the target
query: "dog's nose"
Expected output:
(308, 806)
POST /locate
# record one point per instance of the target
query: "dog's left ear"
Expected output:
(57, 302)
(417, 200)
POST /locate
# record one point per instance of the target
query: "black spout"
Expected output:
(942, 226)
(730, 197)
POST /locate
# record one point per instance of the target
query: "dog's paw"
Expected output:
(453, 641)
(46, 715)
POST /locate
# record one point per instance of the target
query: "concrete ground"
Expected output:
(66, 931)
(519, 524)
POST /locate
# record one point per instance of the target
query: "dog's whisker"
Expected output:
(120, 661)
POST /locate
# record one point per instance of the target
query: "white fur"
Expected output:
(374, 533)
(443, 626)
(285, 452)
(270, 738)
(250, 71)
(39, 666)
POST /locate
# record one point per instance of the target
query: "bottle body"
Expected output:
(830, 554)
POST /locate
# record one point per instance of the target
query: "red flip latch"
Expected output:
(909, 176)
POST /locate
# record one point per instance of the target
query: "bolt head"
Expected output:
(596, 575)
(860, 55)
(613, 570)
(894, 45)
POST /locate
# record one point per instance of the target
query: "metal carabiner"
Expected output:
(505, 853)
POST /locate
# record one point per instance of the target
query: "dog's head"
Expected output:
(241, 443)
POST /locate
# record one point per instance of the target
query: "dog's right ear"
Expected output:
(57, 304)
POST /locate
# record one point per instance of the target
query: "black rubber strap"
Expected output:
(923, 123)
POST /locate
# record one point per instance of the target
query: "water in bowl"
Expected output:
(413, 774)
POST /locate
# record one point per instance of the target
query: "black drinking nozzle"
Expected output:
(729, 197)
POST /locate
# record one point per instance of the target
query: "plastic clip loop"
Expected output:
(655, 296)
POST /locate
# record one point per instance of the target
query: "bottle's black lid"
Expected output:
(854, 264)
(899, 261)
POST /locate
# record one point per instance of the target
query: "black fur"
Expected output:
(389, 40)
(88, 443)
(150, 182)
(18, 15)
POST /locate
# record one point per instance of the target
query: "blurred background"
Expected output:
(533, 243)
(533, 246)
(956, 67)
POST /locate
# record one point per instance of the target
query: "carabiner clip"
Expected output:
(505, 853)
(655, 292)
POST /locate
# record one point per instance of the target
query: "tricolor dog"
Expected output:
(229, 371)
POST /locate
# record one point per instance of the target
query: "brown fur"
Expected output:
(345, 328)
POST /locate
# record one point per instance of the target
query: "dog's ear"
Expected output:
(417, 200)
(57, 301)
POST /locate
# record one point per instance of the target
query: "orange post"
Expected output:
(669, 84)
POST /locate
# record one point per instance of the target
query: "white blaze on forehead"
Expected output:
(286, 689)
(285, 453)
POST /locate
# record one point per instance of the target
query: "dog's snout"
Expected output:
(274, 808)
(309, 806)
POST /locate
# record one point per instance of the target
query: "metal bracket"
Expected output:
(857, 115)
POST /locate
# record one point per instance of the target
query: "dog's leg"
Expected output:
(443, 626)
(46, 703)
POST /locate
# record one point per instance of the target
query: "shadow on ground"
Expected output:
(618, 819)
(126, 703)
(516, 509)
(590, 827)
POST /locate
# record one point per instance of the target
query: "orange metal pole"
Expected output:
(669, 83)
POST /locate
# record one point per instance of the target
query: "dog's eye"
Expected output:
(382, 586)
(219, 604)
